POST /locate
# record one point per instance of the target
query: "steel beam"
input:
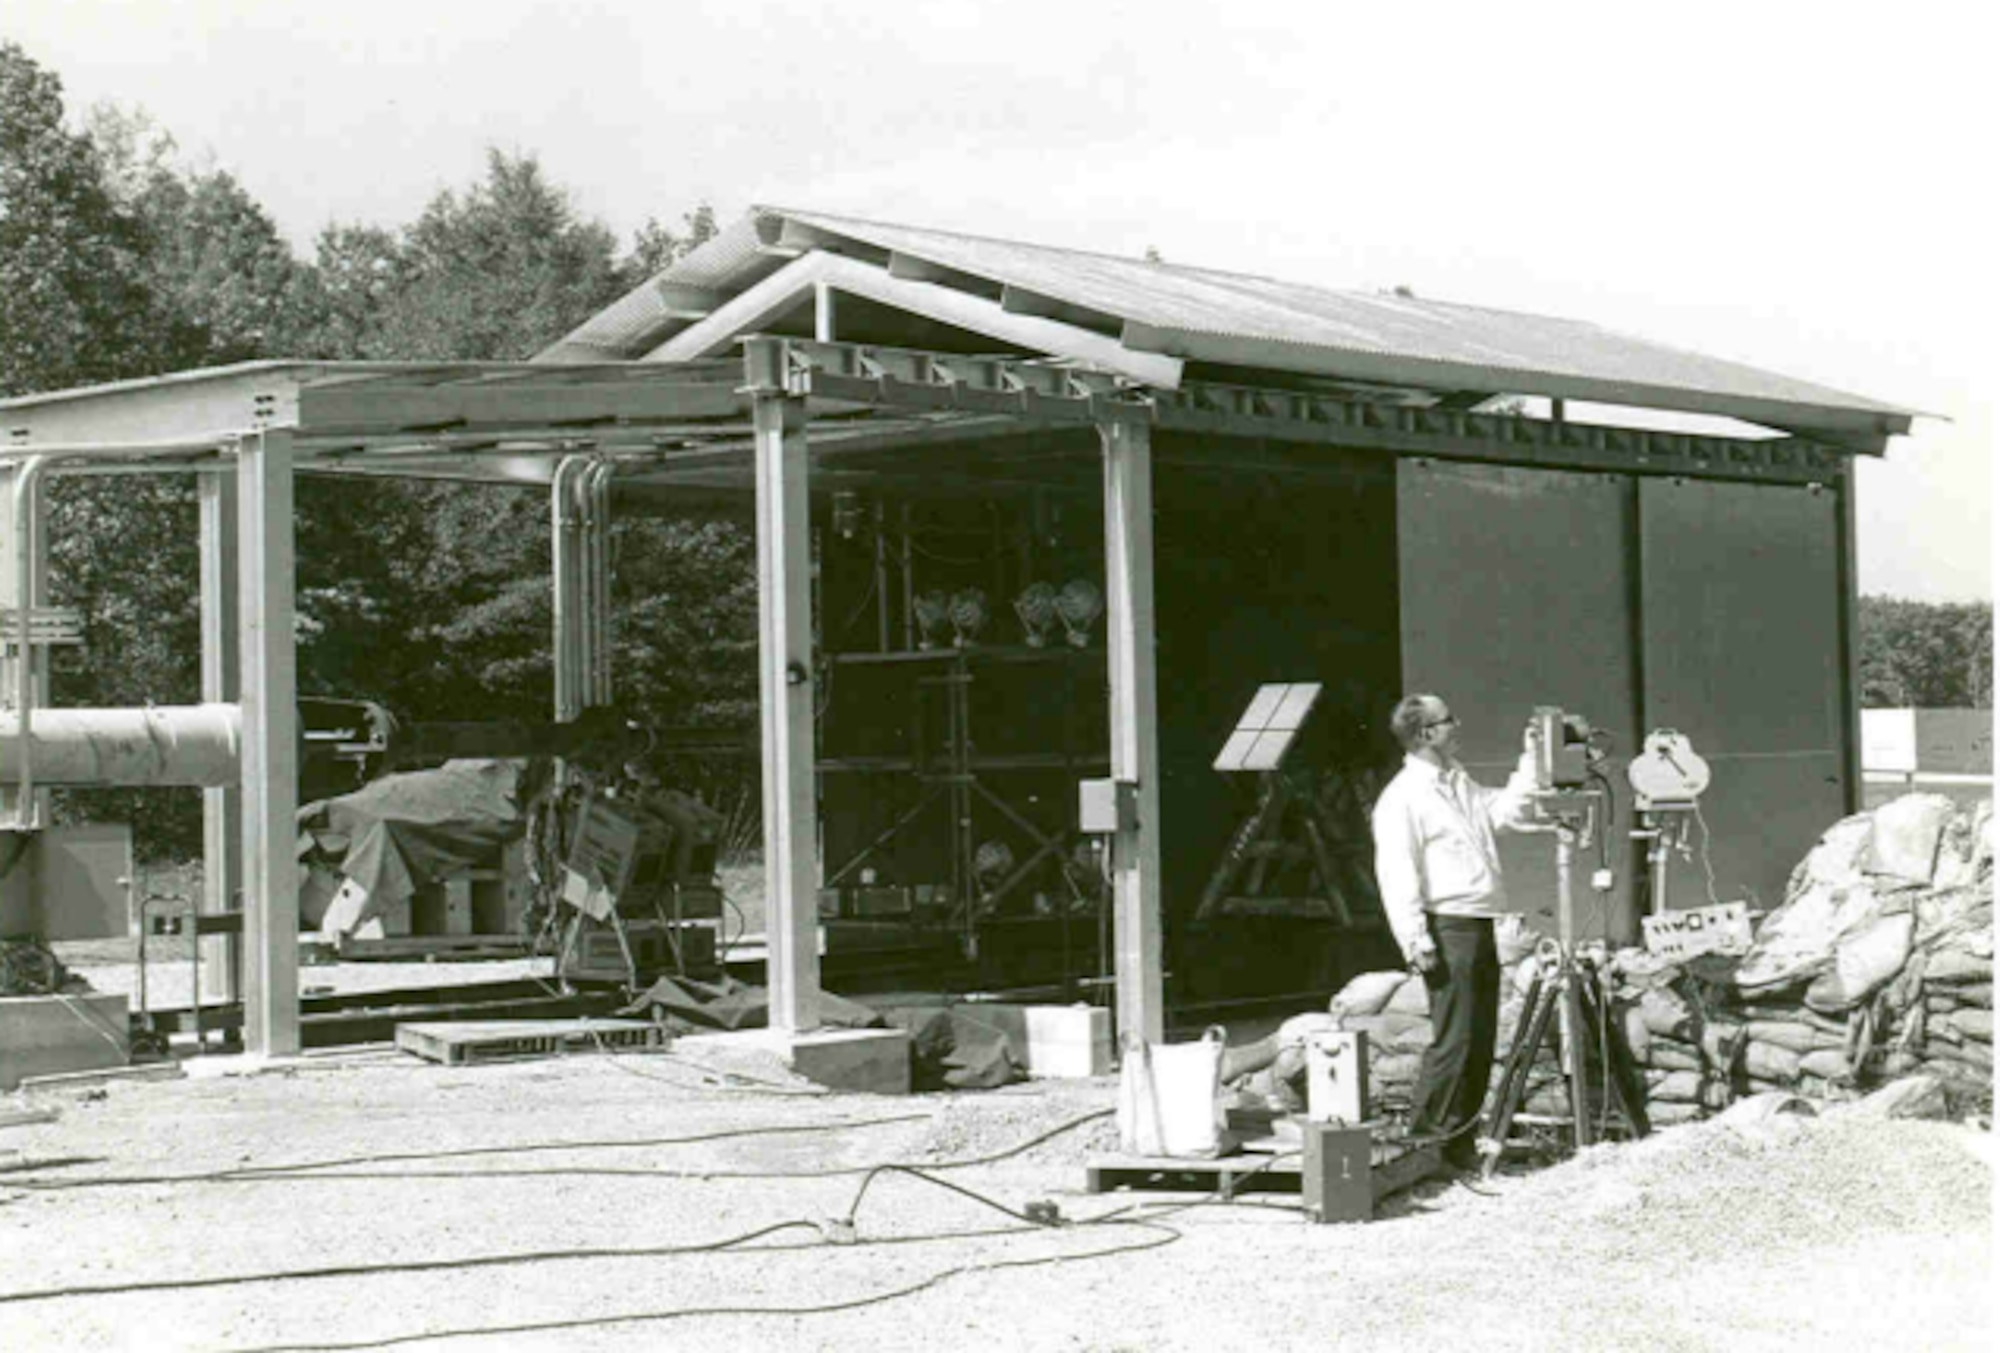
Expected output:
(270, 745)
(1135, 853)
(785, 684)
(221, 682)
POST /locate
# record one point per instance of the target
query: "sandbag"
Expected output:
(1763, 1108)
(1368, 993)
(1826, 1063)
(1797, 1037)
(1767, 1061)
(1953, 965)
(1670, 1056)
(1866, 960)
(1963, 915)
(1637, 1036)
(1900, 1062)
(1903, 840)
(1975, 1024)
(1794, 942)
(1170, 1097)
(1682, 1087)
(1843, 848)
(1907, 1097)
(1978, 1056)
(1299, 1028)
(1668, 1113)
(1394, 1068)
(1666, 1014)
(1411, 998)
(1960, 847)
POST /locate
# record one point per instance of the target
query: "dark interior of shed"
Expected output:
(953, 729)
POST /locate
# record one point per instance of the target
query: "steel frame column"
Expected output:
(221, 671)
(270, 745)
(1135, 853)
(785, 685)
(1850, 641)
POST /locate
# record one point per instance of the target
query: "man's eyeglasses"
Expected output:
(1448, 721)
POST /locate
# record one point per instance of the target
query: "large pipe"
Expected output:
(200, 745)
(196, 745)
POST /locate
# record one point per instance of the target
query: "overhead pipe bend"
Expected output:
(563, 513)
(27, 481)
(597, 492)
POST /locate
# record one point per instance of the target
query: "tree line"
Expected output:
(1926, 655)
(120, 258)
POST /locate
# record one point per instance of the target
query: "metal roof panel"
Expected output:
(1207, 314)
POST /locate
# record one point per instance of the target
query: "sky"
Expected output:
(1795, 187)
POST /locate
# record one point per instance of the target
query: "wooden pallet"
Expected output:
(497, 1040)
(1392, 1168)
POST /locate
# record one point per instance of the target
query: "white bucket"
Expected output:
(1170, 1097)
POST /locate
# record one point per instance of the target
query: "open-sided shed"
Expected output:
(1269, 482)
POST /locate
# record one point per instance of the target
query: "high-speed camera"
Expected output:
(1562, 749)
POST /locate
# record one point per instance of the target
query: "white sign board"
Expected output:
(1889, 740)
(1678, 935)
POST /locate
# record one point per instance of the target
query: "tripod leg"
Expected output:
(1624, 1068)
(1533, 1027)
(1576, 1068)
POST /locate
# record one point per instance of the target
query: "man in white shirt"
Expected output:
(1438, 869)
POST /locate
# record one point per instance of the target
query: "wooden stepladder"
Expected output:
(1279, 861)
(1287, 858)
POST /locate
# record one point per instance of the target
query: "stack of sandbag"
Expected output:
(1879, 964)
(1687, 1050)
(1393, 1009)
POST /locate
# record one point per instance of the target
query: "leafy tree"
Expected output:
(1926, 655)
(72, 291)
(656, 247)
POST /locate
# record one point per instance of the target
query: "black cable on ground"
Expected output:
(407, 1266)
(255, 1173)
(1167, 1236)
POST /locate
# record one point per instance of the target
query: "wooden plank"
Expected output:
(460, 1044)
(785, 672)
(269, 701)
(1135, 853)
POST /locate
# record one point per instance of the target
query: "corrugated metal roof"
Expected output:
(1243, 320)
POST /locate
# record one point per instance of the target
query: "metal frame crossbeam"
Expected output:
(1064, 395)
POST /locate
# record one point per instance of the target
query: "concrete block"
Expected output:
(870, 1061)
(1068, 1040)
(49, 1035)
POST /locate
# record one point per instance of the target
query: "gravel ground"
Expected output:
(1839, 1232)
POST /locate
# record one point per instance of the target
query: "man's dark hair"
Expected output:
(1409, 719)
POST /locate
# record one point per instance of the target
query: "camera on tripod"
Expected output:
(1564, 751)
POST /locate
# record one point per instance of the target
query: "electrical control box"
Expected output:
(1337, 1181)
(1107, 807)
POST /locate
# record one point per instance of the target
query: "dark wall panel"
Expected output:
(1517, 591)
(1742, 654)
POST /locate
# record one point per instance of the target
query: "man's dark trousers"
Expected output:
(1464, 987)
